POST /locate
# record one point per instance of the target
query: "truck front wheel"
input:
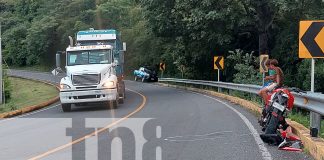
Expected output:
(66, 107)
(115, 104)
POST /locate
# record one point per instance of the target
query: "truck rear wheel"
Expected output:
(124, 93)
(121, 98)
(66, 107)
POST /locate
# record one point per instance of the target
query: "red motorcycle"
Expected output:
(275, 111)
(280, 101)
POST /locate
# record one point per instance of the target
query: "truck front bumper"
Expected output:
(85, 96)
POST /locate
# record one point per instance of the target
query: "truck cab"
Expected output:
(93, 70)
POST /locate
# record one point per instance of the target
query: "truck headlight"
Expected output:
(109, 84)
(64, 86)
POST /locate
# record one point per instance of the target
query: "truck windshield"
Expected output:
(89, 57)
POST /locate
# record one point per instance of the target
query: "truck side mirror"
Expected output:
(124, 46)
(58, 60)
(58, 69)
(115, 63)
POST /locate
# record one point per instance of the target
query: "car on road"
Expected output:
(145, 74)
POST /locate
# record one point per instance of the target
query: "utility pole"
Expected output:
(1, 89)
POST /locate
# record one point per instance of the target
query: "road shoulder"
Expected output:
(315, 146)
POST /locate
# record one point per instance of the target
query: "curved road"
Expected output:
(154, 123)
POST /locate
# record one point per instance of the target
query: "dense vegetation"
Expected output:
(185, 34)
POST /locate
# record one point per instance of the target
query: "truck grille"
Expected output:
(86, 79)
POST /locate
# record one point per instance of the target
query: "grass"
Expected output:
(303, 118)
(33, 68)
(26, 93)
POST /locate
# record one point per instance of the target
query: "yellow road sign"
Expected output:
(162, 66)
(219, 62)
(263, 59)
(311, 39)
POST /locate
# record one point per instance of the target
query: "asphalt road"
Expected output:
(154, 123)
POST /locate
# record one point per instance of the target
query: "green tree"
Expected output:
(246, 72)
(40, 38)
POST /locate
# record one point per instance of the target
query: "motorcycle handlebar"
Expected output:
(297, 90)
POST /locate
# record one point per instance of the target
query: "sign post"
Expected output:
(311, 45)
(263, 67)
(315, 118)
(219, 65)
(162, 68)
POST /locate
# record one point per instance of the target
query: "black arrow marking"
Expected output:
(162, 66)
(263, 63)
(309, 39)
(217, 63)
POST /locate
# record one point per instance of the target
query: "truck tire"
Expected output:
(124, 93)
(66, 107)
(112, 104)
(121, 100)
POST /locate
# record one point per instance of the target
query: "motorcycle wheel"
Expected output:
(272, 126)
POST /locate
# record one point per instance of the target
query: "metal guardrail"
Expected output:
(313, 102)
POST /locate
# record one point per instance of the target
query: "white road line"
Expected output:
(264, 151)
(200, 135)
(37, 111)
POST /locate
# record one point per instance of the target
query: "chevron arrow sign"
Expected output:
(263, 60)
(219, 62)
(311, 39)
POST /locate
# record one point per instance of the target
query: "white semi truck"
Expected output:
(94, 70)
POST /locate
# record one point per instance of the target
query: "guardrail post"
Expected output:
(315, 124)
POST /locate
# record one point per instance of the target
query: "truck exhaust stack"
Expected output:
(71, 41)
